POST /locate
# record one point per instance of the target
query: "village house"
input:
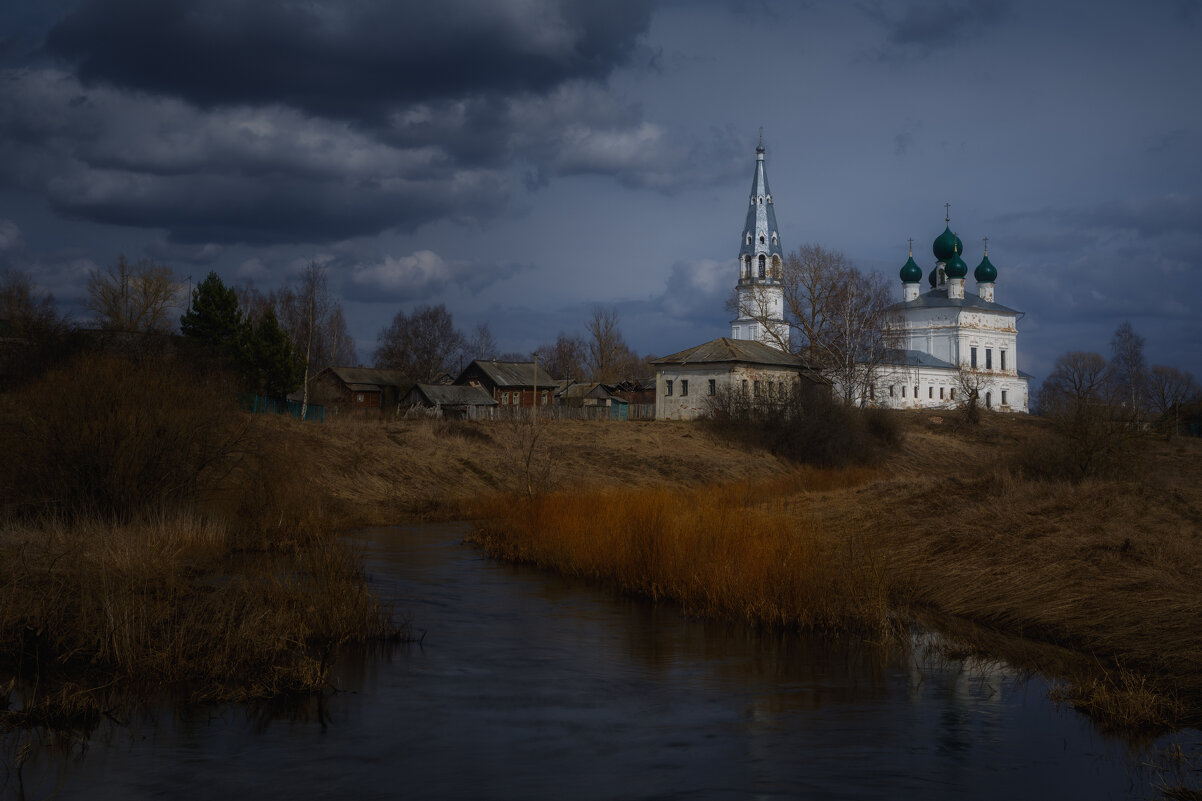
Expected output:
(450, 402)
(363, 390)
(511, 384)
(697, 381)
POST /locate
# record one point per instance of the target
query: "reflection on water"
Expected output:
(532, 686)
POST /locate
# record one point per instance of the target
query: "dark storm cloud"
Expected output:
(279, 122)
(346, 59)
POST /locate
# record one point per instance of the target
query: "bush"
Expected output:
(114, 436)
(807, 427)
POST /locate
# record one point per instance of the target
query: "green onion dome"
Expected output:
(945, 246)
(955, 267)
(911, 273)
(985, 273)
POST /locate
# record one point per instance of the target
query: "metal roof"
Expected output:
(725, 349)
(938, 299)
(761, 215)
(511, 374)
(453, 395)
(915, 358)
(373, 377)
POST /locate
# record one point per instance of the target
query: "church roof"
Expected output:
(761, 214)
(915, 358)
(725, 349)
(938, 299)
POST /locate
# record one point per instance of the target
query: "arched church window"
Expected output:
(762, 262)
(776, 267)
(748, 237)
(761, 239)
(775, 241)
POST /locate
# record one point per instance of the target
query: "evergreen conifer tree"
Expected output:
(214, 319)
(274, 369)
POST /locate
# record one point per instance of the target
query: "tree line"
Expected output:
(424, 344)
(278, 341)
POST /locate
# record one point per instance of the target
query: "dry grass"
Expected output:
(174, 600)
(734, 551)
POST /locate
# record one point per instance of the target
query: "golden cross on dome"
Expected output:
(986, 246)
(947, 211)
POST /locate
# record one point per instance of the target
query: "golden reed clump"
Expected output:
(734, 551)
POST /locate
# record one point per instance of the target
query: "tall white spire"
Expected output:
(760, 294)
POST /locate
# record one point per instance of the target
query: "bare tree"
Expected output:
(481, 345)
(315, 324)
(1170, 388)
(564, 358)
(422, 345)
(27, 312)
(971, 384)
(1128, 371)
(608, 354)
(134, 297)
(836, 317)
(1076, 397)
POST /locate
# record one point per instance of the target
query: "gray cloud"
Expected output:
(927, 28)
(419, 276)
(346, 59)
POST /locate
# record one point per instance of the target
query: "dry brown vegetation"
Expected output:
(152, 535)
(948, 529)
(1093, 581)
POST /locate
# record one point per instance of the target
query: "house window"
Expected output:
(988, 358)
(359, 398)
(668, 387)
(903, 391)
(988, 400)
(974, 358)
(684, 388)
(1003, 393)
(755, 389)
(504, 398)
(545, 398)
(1002, 354)
(744, 387)
(713, 386)
(931, 393)
(941, 393)
(890, 390)
(952, 393)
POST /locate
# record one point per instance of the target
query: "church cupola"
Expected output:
(986, 275)
(761, 258)
(911, 276)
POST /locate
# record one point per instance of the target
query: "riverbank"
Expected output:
(1095, 583)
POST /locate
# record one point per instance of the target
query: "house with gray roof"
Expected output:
(360, 389)
(510, 384)
(690, 383)
(450, 401)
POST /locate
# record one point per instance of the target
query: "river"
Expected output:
(530, 686)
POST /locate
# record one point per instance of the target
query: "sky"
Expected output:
(526, 161)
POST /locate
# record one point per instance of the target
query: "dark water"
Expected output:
(528, 686)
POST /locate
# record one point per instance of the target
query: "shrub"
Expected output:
(115, 436)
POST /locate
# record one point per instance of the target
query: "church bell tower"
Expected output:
(761, 303)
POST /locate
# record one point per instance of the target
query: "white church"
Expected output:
(943, 342)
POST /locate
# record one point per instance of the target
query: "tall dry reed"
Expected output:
(733, 551)
(171, 600)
